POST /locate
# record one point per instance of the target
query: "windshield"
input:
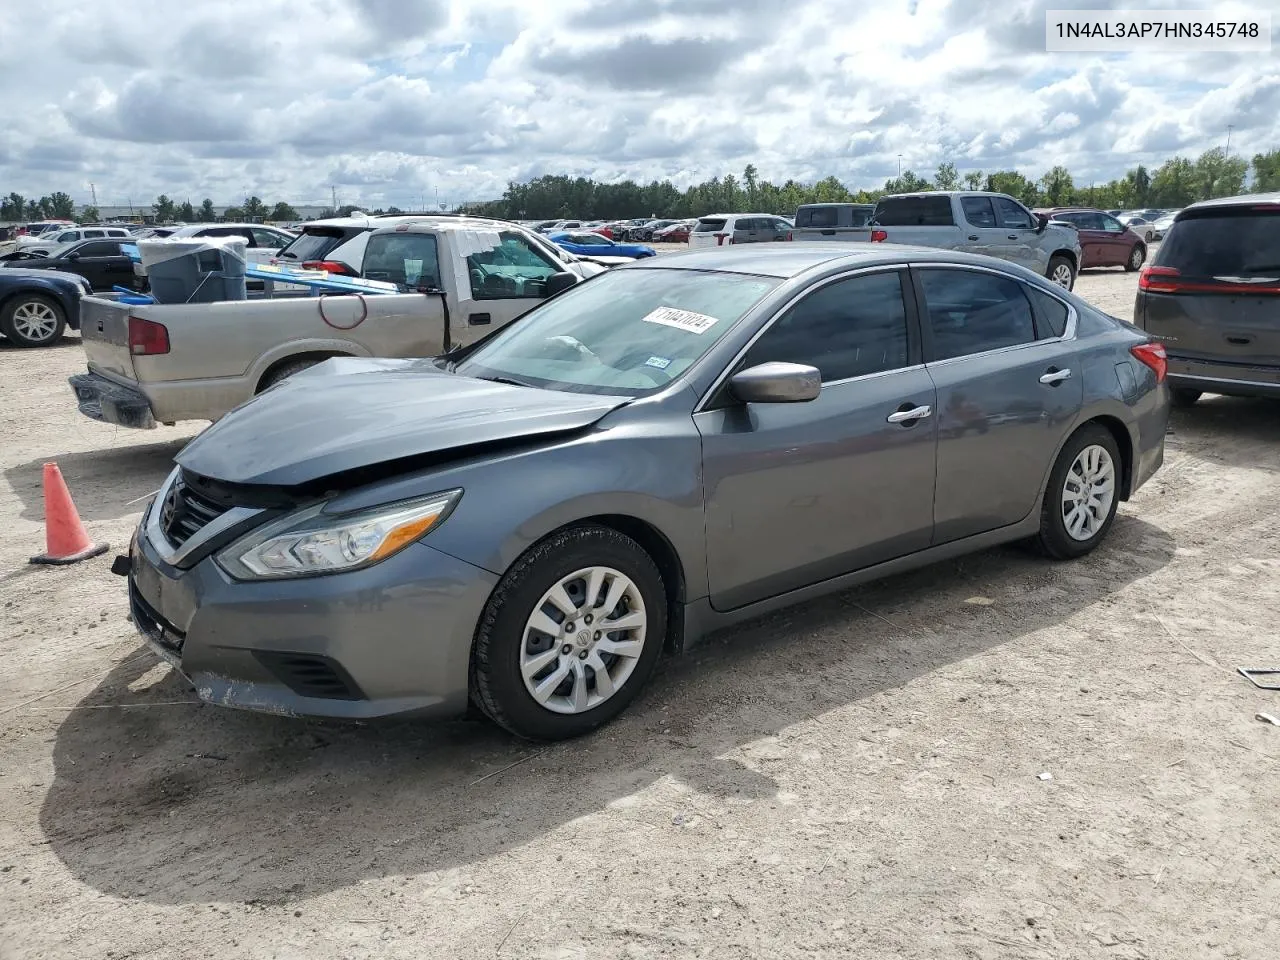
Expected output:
(625, 333)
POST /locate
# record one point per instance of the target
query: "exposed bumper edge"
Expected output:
(109, 402)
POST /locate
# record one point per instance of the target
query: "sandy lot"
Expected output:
(860, 777)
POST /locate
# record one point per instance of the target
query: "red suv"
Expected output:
(1104, 240)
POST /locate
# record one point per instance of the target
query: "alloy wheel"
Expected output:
(1088, 493)
(35, 321)
(583, 640)
(1136, 258)
(1062, 276)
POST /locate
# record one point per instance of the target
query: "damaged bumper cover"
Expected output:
(110, 402)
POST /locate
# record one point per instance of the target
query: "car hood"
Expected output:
(51, 276)
(348, 413)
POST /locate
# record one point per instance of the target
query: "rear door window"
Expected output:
(1051, 313)
(923, 211)
(1012, 215)
(972, 312)
(409, 260)
(817, 216)
(1240, 242)
(978, 211)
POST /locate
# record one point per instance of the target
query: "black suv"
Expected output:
(1211, 294)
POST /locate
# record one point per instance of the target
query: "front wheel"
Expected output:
(1082, 496)
(1137, 256)
(30, 320)
(1062, 272)
(571, 634)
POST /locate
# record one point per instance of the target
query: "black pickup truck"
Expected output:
(37, 305)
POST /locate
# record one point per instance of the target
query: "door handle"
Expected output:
(1054, 377)
(479, 319)
(973, 236)
(910, 415)
(1013, 236)
(1240, 341)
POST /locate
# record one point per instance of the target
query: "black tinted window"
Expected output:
(1227, 244)
(970, 312)
(100, 248)
(978, 211)
(914, 212)
(847, 329)
(313, 245)
(1011, 214)
(1050, 311)
(817, 216)
(709, 226)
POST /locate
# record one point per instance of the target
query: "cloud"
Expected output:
(390, 99)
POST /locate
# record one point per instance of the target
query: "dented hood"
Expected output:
(348, 413)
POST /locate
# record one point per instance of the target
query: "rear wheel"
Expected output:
(571, 634)
(30, 320)
(1082, 496)
(288, 369)
(1137, 256)
(1062, 272)
(1182, 397)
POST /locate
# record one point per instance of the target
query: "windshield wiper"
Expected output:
(509, 381)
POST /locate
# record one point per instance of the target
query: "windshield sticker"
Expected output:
(660, 362)
(680, 319)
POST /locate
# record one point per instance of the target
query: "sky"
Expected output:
(393, 101)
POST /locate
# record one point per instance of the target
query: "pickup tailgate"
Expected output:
(104, 330)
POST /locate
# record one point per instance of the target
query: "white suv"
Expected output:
(722, 229)
(51, 239)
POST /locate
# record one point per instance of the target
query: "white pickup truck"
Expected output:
(162, 363)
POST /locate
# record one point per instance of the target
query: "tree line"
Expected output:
(60, 206)
(1175, 183)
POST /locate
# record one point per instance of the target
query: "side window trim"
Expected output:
(714, 394)
(926, 331)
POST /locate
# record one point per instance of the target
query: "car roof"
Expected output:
(1243, 200)
(786, 260)
(725, 216)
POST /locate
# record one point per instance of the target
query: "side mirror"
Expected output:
(1042, 221)
(74, 256)
(776, 382)
(560, 282)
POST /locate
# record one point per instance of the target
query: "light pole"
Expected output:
(1227, 152)
(899, 166)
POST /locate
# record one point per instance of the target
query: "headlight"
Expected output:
(310, 542)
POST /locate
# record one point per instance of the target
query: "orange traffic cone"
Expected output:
(64, 535)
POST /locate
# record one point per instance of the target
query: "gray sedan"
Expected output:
(670, 448)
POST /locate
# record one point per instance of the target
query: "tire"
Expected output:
(508, 642)
(1137, 257)
(1061, 271)
(286, 370)
(1182, 398)
(31, 320)
(1056, 538)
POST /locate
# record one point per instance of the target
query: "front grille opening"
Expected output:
(309, 675)
(156, 627)
(185, 513)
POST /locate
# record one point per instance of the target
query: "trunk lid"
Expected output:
(104, 331)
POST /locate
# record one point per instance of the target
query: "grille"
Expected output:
(152, 624)
(310, 676)
(184, 513)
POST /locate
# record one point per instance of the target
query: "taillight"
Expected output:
(1154, 356)
(1169, 280)
(879, 236)
(789, 237)
(329, 266)
(147, 338)
(720, 238)
(1158, 279)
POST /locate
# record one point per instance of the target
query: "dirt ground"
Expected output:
(994, 757)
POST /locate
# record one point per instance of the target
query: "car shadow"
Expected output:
(68, 339)
(182, 803)
(1235, 431)
(114, 478)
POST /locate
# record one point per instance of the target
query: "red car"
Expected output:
(676, 233)
(1104, 240)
